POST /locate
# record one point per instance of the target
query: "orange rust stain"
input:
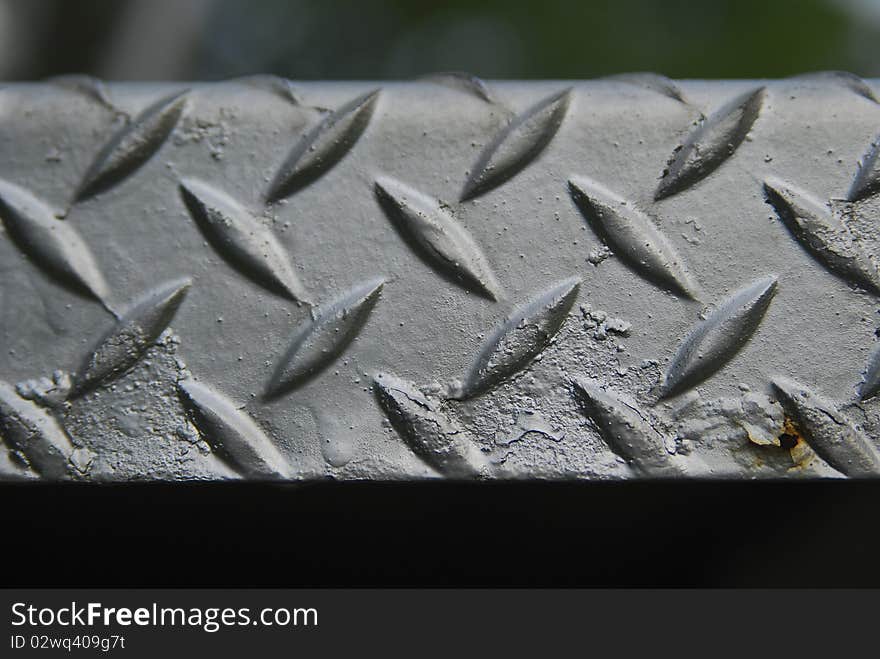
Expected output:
(792, 439)
(790, 435)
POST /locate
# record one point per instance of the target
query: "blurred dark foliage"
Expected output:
(307, 39)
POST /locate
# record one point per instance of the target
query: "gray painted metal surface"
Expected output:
(257, 279)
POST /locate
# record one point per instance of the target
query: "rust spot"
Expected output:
(790, 435)
(788, 438)
(791, 438)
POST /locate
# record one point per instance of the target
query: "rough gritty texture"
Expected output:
(523, 231)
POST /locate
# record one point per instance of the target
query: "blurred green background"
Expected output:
(307, 39)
